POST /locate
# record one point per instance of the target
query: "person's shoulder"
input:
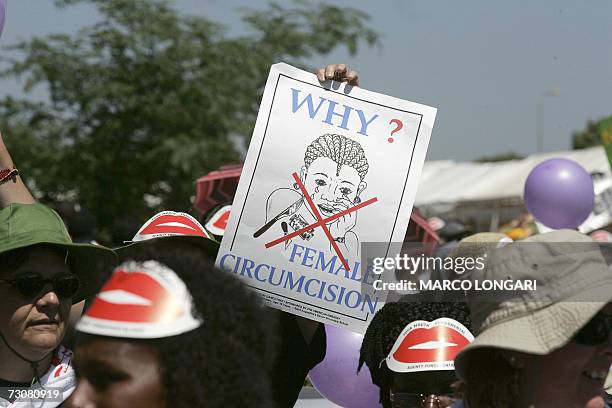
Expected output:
(459, 404)
(61, 373)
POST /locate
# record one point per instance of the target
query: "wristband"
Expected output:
(8, 174)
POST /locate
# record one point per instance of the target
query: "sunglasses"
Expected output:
(29, 285)
(596, 332)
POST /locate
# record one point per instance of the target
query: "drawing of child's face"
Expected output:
(331, 193)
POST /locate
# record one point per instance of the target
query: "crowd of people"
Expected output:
(154, 324)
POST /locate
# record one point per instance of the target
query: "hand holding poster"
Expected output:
(329, 168)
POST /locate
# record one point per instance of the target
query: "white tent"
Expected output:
(450, 182)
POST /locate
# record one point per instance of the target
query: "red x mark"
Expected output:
(321, 222)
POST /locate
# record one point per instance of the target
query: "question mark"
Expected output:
(399, 126)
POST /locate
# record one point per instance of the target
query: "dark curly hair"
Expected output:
(225, 362)
(389, 322)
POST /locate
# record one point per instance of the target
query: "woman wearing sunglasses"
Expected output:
(42, 273)
(551, 347)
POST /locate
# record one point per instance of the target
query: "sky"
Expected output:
(486, 65)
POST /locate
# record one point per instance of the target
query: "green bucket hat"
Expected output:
(23, 225)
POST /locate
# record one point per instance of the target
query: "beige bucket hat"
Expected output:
(573, 284)
(473, 246)
(477, 245)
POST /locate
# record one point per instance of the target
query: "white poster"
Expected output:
(330, 167)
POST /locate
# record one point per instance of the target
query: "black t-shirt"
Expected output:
(294, 359)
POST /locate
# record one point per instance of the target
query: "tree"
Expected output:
(591, 135)
(500, 157)
(146, 100)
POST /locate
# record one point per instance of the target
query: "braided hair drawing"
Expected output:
(332, 188)
(340, 149)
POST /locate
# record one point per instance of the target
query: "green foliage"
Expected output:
(147, 100)
(591, 135)
(500, 157)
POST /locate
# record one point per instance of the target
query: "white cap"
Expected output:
(428, 346)
(141, 300)
(169, 224)
(218, 222)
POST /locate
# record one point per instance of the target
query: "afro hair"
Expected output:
(225, 362)
(387, 325)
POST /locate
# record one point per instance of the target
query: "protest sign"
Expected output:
(602, 209)
(602, 185)
(330, 166)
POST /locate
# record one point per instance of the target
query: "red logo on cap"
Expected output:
(134, 297)
(218, 222)
(436, 344)
(221, 221)
(173, 224)
(57, 372)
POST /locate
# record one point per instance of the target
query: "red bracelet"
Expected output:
(8, 174)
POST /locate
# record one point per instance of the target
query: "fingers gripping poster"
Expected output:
(330, 167)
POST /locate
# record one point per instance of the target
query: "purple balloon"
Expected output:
(2, 14)
(336, 376)
(559, 193)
